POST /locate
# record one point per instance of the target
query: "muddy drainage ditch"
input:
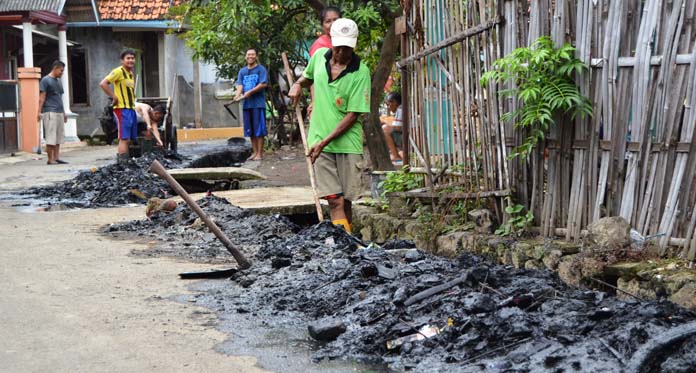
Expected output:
(400, 308)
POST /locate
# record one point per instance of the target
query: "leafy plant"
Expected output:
(543, 76)
(518, 222)
(400, 181)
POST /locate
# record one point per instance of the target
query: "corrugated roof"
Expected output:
(135, 10)
(54, 6)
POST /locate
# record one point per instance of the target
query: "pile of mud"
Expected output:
(412, 311)
(184, 235)
(112, 185)
(115, 185)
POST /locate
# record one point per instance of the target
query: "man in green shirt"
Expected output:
(341, 93)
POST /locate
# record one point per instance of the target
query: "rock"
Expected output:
(638, 288)
(484, 220)
(366, 233)
(567, 248)
(384, 227)
(326, 329)
(686, 296)
(610, 232)
(569, 271)
(400, 207)
(533, 264)
(448, 245)
(286, 148)
(624, 270)
(409, 230)
(552, 258)
(520, 254)
(413, 255)
(277, 263)
(591, 267)
(677, 280)
(538, 252)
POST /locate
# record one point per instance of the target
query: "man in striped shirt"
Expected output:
(123, 96)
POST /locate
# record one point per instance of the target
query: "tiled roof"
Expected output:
(135, 10)
(53, 6)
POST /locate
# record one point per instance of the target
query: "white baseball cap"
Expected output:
(344, 32)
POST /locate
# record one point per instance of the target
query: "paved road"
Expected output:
(72, 300)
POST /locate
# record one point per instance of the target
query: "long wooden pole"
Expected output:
(310, 166)
(158, 169)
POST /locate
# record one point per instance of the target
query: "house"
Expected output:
(32, 35)
(101, 29)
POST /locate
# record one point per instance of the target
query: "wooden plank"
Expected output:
(278, 200)
(216, 173)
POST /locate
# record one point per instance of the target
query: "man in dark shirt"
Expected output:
(52, 113)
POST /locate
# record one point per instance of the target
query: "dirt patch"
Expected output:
(411, 310)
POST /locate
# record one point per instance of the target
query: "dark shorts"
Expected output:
(255, 123)
(127, 123)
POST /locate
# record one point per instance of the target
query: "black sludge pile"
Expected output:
(113, 184)
(185, 235)
(412, 311)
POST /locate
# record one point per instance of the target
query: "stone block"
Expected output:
(533, 264)
(591, 267)
(611, 231)
(686, 296)
(366, 233)
(569, 270)
(539, 251)
(624, 270)
(409, 230)
(676, 281)
(551, 259)
(636, 287)
(484, 220)
(520, 254)
(450, 244)
(326, 329)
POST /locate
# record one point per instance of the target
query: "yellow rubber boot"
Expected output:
(344, 223)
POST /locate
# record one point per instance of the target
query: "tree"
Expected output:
(222, 30)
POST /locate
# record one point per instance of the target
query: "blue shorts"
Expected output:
(127, 123)
(255, 123)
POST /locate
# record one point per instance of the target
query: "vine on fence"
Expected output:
(543, 76)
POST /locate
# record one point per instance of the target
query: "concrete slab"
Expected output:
(279, 200)
(216, 173)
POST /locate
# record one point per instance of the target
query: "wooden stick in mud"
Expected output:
(310, 167)
(158, 169)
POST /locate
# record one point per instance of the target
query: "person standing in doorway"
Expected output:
(252, 81)
(342, 86)
(123, 96)
(51, 111)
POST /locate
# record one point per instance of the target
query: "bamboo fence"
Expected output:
(635, 157)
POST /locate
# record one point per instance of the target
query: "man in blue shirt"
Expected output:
(251, 87)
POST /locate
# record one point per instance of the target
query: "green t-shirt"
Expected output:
(350, 92)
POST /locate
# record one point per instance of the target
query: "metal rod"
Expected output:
(158, 169)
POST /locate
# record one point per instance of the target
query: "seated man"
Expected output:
(151, 118)
(393, 128)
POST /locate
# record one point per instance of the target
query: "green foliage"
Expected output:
(400, 181)
(518, 221)
(543, 75)
(221, 31)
